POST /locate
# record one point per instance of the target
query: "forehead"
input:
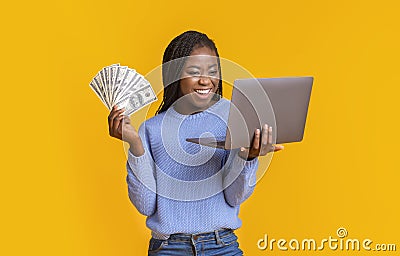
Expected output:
(202, 56)
(203, 51)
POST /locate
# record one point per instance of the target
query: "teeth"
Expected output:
(203, 91)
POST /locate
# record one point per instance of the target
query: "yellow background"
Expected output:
(63, 189)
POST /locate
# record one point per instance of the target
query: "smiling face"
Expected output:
(199, 81)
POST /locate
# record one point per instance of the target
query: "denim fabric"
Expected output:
(221, 242)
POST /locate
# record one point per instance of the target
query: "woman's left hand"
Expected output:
(261, 144)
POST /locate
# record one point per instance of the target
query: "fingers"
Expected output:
(113, 109)
(270, 135)
(114, 118)
(270, 147)
(121, 122)
(117, 123)
(264, 140)
(256, 141)
(261, 144)
(254, 149)
(124, 120)
(111, 116)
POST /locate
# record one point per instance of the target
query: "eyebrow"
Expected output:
(194, 66)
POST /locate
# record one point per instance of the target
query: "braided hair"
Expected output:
(179, 48)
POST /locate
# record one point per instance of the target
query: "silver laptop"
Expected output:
(279, 102)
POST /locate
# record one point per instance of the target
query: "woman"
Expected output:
(190, 193)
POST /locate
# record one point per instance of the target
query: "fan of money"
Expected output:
(124, 87)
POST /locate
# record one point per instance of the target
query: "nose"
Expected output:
(204, 80)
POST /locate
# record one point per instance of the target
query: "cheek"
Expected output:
(184, 86)
(215, 82)
(188, 82)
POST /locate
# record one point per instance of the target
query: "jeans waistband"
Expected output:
(214, 235)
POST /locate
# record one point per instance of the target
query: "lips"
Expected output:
(203, 91)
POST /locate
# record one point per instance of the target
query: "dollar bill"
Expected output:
(137, 84)
(119, 76)
(126, 83)
(104, 83)
(96, 89)
(97, 80)
(122, 86)
(139, 99)
(110, 70)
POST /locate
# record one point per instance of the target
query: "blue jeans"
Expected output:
(220, 242)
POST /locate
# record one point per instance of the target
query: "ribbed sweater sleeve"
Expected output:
(242, 187)
(140, 178)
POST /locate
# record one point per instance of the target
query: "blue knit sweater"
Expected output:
(183, 187)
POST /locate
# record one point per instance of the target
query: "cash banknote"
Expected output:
(124, 87)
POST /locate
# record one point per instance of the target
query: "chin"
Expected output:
(202, 105)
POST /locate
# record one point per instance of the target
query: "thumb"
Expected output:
(278, 147)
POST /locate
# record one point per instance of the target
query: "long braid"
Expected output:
(180, 47)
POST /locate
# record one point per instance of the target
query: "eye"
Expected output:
(193, 73)
(213, 72)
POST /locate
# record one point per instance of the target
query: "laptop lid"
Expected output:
(279, 102)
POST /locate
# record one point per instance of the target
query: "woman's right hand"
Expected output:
(119, 126)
